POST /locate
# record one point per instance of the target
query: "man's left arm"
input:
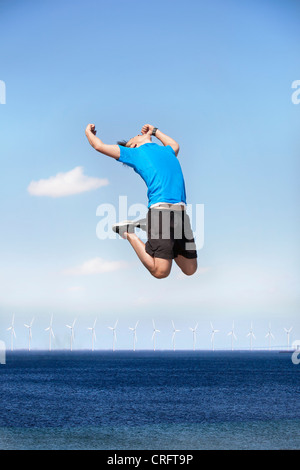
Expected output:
(165, 139)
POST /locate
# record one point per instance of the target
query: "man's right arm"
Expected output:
(110, 150)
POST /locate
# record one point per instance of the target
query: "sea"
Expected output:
(146, 400)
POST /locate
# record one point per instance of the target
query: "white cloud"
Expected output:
(95, 266)
(76, 289)
(66, 184)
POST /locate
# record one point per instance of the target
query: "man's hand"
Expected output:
(90, 128)
(147, 129)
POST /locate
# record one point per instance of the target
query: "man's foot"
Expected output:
(124, 227)
(142, 224)
(128, 226)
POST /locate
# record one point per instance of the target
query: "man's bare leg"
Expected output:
(158, 267)
(187, 266)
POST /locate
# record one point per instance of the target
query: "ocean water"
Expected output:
(147, 400)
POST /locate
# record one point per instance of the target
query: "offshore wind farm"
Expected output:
(237, 339)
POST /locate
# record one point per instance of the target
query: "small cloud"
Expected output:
(66, 184)
(142, 301)
(76, 289)
(95, 266)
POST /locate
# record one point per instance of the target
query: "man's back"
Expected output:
(160, 169)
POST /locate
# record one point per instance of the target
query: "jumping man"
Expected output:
(168, 226)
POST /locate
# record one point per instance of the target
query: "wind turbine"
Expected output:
(134, 334)
(155, 330)
(29, 333)
(113, 328)
(213, 332)
(270, 336)
(51, 334)
(12, 330)
(174, 334)
(252, 336)
(72, 334)
(92, 329)
(194, 336)
(233, 336)
(288, 332)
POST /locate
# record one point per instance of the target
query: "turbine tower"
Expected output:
(270, 336)
(194, 336)
(233, 336)
(134, 334)
(113, 328)
(72, 338)
(12, 330)
(155, 330)
(51, 334)
(92, 329)
(29, 333)
(174, 334)
(288, 332)
(213, 332)
(252, 336)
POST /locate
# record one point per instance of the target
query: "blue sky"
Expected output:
(214, 75)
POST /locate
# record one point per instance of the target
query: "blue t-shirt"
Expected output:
(159, 168)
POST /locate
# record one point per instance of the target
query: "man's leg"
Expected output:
(187, 266)
(158, 267)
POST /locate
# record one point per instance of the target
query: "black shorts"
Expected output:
(170, 234)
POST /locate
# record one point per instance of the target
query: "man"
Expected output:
(168, 225)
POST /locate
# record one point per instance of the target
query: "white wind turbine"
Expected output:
(213, 332)
(113, 328)
(270, 336)
(92, 329)
(72, 338)
(13, 333)
(194, 336)
(134, 334)
(252, 336)
(155, 330)
(173, 335)
(288, 332)
(233, 336)
(51, 334)
(29, 333)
